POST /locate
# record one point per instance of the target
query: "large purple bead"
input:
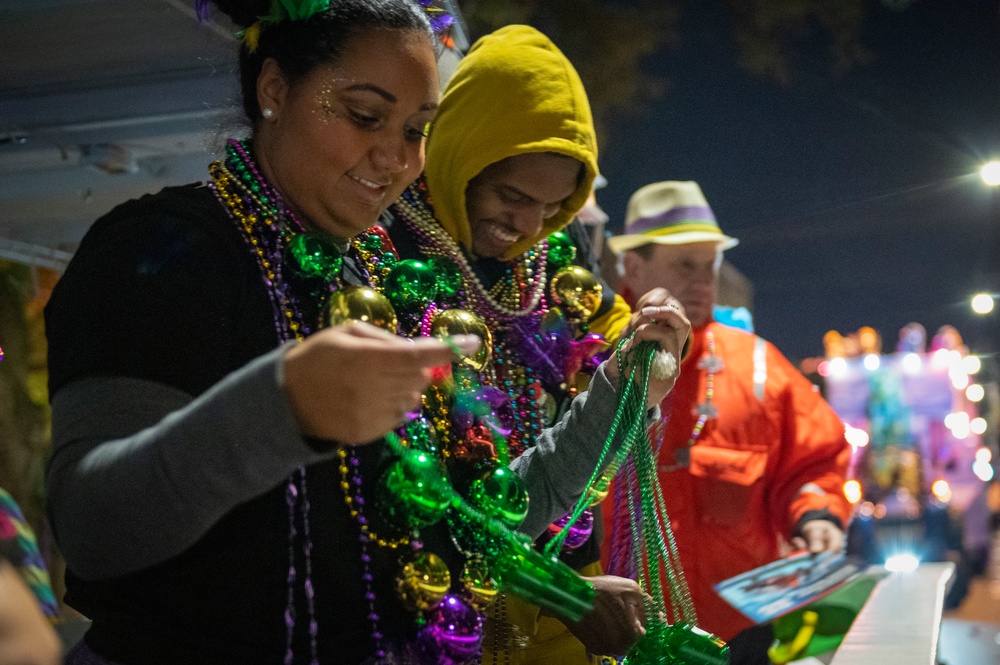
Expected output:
(579, 531)
(453, 634)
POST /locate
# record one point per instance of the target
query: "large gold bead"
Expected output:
(578, 290)
(461, 322)
(477, 581)
(424, 581)
(360, 303)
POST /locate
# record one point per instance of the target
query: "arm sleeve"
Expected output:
(811, 464)
(556, 470)
(140, 470)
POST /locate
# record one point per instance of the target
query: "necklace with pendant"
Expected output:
(706, 410)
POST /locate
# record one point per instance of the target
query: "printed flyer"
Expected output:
(785, 585)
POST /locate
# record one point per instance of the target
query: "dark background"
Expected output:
(856, 198)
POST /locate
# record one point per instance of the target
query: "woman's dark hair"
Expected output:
(300, 46)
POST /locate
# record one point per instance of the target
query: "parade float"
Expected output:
(913, 420)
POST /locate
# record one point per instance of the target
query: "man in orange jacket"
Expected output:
(751, 458)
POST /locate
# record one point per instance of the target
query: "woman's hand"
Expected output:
(658, 318)
(354, 383)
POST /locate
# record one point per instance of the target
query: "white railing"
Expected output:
(901, 621)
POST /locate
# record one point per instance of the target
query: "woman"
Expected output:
(208, 484)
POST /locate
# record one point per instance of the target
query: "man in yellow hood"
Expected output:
(511, 159)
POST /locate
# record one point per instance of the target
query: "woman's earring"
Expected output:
(268, 113)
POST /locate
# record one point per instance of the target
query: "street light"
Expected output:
(982, 303)
(990, 173)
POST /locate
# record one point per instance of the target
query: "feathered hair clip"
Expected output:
(300, 10)
(440, 19)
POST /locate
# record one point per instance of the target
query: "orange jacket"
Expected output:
(775, 452)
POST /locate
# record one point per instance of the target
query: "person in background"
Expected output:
(26, 603)
(750, 457)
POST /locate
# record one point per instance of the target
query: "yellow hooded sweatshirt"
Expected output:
(514, 93)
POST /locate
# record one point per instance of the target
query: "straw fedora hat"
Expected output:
(669, 213)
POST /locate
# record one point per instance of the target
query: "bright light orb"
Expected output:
(975, 393)
(982, 303)
(990, 173)
(856, 437)
(852, 491)
(902, 563)
(837, 367)
(978, 425)
(872, 362)
(942, 490)
(912, 363)
(971, 364)
(983, 470)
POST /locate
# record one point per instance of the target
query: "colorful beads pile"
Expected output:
(488, 406)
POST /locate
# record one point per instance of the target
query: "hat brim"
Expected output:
(626, 242)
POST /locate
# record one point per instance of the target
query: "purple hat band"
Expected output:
(702, 214)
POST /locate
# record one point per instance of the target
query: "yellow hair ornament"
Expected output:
(251, 37)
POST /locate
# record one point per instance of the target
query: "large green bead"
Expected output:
(449, 277)
(314, 256)
(416, 491)
(424, 581)
(411, 285)
(372, 242)
(501, 495)
(420, 435)
(562, 251)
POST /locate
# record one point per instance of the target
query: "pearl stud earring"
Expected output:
(268, 113)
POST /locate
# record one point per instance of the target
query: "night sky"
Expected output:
(856, 198)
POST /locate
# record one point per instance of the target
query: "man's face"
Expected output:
(689, 272)
(510, 200)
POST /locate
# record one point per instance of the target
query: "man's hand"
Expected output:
(658, 318)
(618, 619)
(819, 536)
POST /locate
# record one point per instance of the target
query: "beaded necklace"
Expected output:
(299, 270)
(517, 296)
(706, 410)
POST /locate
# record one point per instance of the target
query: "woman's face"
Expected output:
(345, 141)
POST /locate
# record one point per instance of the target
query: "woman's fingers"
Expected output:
(354, 383)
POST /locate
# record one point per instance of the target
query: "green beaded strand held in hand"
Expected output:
(654, 548)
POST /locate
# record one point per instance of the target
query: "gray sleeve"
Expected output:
(140, 470)
(556, 470)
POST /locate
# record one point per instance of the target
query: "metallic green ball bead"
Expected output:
(449, 277)
(501, 495)
(410, 285)
(314, 256)
(562, 251)
(418, 490)
(421, 436)
(372, 243)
